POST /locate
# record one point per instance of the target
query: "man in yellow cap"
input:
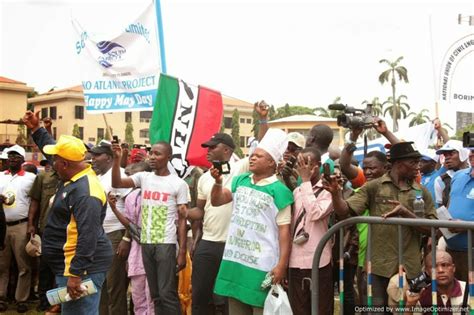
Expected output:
(74, 243)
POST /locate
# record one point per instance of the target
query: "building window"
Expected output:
(242, 120)
(227, 122)
(79, 112)
(144, 133)
(242, 142)
(81, 133)
(52, 112)
(44, 112)
(145, 116)
(100, 133)
(249, 120)
(128, 117)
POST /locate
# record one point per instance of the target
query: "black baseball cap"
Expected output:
(104, 146)
(219, 138)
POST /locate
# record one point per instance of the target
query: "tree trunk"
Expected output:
(394, 114)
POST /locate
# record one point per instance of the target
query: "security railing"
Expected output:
(469, 226)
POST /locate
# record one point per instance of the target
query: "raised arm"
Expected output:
(382, 128)
(219, 195)
(340, 205)
(262, 110)
(117, 180)
(349, 170)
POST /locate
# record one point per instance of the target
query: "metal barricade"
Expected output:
(433, 224)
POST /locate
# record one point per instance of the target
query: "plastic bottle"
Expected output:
(419, 207)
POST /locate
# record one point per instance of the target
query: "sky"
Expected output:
(297, 52)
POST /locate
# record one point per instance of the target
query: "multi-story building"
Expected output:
(13, 104)
(66, 107)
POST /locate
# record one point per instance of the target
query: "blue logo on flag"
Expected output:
(111, 53)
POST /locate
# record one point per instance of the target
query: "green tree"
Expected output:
(21, 137)
(129, 134)
(376, 106)
(459, 133)
(75, 131)
(31, 94)
(399, 108)
(235, 132)
(329, 113)
(390, 75)
(107, 136)
(418, 118)
(288, 110)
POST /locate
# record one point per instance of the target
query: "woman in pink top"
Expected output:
(142, 302)
(310, 218)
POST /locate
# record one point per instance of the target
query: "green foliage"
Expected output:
(390, 75)
(75, 131)
(288, 110)
(235, 132)
(399, 108)
(418, 118)
(108, 136)
(459, 133)
(129, 134)
(21, 137)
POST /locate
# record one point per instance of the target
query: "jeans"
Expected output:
(87, 305)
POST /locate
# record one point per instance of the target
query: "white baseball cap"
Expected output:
(16, 148)
(455, 145)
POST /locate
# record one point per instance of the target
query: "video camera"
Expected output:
(354, 118)
(468, 139)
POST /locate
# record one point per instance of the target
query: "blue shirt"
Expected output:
(461, 205)
(428, 180)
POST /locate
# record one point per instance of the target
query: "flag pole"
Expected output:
(161, 38)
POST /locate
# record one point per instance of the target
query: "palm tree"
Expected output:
(397, 109)
(324, 112)
(418, 118)
(376, 106)
(389, 74)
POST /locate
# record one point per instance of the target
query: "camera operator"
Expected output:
(392, 194)
(452, 294)
(310, 219)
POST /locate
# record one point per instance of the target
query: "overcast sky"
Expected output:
(297, 52)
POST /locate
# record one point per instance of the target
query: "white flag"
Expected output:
(121, 73)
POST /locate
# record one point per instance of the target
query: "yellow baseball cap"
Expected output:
(67, 147)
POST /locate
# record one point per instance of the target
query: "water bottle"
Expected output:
(419, 207)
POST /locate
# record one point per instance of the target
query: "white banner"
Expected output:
(120, 73)
(453, 53)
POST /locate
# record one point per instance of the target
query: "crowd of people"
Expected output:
(124, 220)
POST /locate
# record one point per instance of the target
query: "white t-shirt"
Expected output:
(20, 185)
(111, 223)
(439, 187)
(160, 197)
(216, 219)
